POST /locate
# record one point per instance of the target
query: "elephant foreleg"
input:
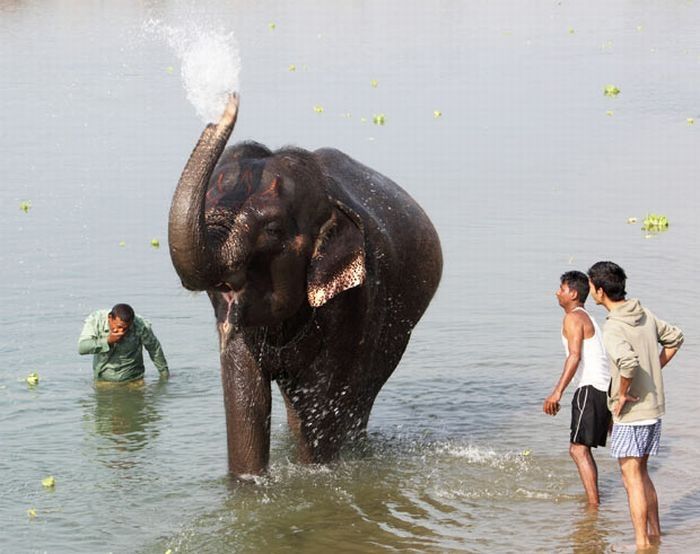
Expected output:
(247, 402)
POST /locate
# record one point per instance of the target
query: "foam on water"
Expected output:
(210, 63)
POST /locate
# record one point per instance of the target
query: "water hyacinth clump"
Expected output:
(611, 90)
(655, 223)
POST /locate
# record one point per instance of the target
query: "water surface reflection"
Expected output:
(121, 419)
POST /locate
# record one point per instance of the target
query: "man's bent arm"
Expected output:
(669, 336)
(89, 341)
(624, 398)
(574, 338)
(154, 349)
(621, 354)
(666, 355)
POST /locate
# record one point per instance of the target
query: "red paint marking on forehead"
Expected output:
(275, 186)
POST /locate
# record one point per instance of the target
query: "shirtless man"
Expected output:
(585, 354)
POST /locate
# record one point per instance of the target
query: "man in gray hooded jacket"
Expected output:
(632, 335)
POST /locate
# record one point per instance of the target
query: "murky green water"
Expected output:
(525, 175)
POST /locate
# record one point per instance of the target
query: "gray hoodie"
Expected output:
(632, 335)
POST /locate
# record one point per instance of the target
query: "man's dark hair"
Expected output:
(123, 312)
(577, 281)
(610, 277)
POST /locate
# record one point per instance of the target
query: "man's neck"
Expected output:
(571, 307)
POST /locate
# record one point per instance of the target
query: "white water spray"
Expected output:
(210, 64)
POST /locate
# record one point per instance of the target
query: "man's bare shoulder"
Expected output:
(576, 317)
(579, 319)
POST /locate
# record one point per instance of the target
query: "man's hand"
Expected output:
(551, 404)
(115, 335)
(624, 399)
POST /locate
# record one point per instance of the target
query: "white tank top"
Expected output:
(594, 367)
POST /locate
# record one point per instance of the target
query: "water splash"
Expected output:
(210, 63)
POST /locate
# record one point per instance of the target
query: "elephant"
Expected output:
(317, 267)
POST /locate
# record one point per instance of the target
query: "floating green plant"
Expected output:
(33, 379)
(319, 109)
(379, 119)
(437, 114)
(155, 243)
(655, 223)
(25, 206)
(48, 482)
(611, 90)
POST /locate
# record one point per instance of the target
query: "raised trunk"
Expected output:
(187, 236)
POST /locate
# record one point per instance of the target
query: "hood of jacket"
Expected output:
(630, 312)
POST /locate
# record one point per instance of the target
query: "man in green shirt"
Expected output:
(116, 339)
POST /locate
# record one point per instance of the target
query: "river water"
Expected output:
(529, 171)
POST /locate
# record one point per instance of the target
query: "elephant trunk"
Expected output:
(248, 404)
(187, 233)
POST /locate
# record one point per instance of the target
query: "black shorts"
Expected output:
(590, 417)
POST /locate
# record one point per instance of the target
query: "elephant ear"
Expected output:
(338, 260)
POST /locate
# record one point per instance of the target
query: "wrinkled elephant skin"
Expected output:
(317, 267)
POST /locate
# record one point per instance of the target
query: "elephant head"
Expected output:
(260, 229)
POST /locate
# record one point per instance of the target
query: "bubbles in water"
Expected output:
(210, 62)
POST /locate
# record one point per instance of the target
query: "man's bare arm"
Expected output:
(573, 331)
(625, 383)
(666, 355)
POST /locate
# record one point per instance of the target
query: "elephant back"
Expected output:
(399, 235)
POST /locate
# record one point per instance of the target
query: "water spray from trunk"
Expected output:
(210, 63)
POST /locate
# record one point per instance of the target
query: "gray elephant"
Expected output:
(317, 267)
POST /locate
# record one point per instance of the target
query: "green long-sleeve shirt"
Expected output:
(123, 360)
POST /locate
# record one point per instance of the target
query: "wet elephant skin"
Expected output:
(317, 268)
